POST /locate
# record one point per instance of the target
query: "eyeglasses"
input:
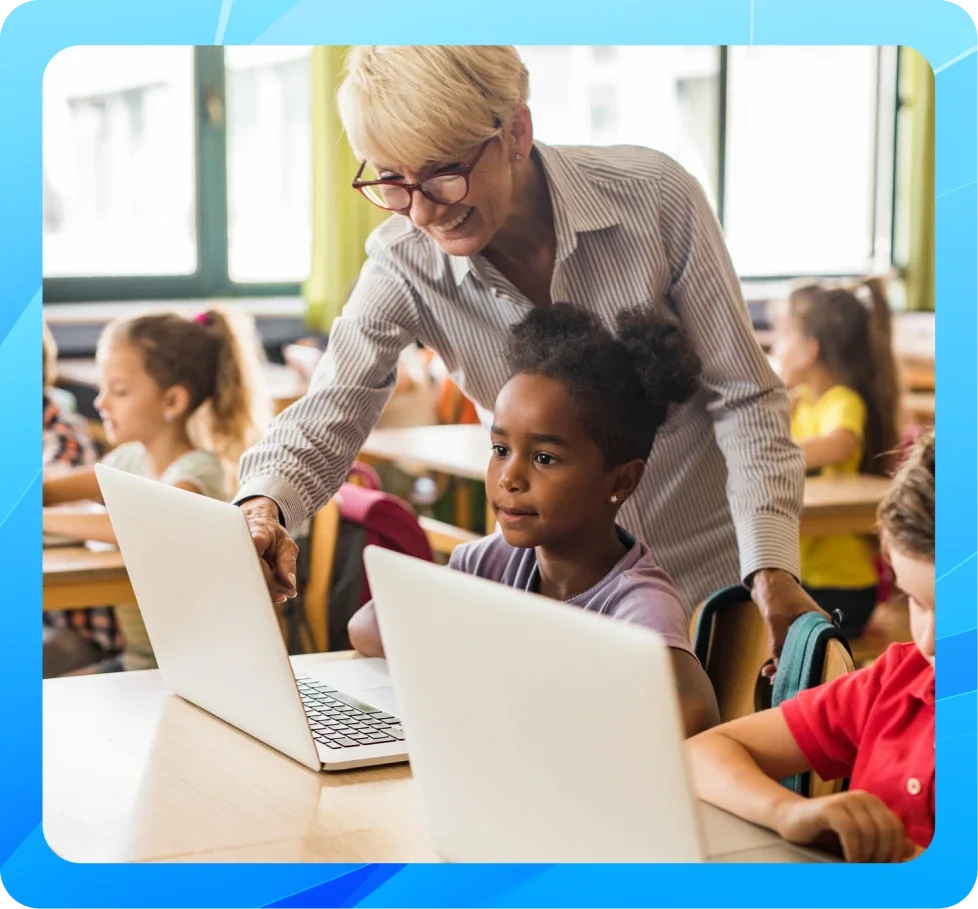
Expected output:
(444, 188)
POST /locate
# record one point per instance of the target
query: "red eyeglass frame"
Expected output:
(464, 170)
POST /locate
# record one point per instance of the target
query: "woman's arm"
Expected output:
(77, 486)
(834, 448)
(87, 524)
(748, 402)
(307, 450)
(80, 525)
(697, 700)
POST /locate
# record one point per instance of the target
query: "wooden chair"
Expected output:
(837, 663)
(730, 640)
(323, 533)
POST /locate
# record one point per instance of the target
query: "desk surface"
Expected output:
(75, 577)
(133, 773)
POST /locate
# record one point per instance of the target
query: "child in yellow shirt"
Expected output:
(835, 352)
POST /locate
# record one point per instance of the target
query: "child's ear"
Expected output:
(176, 400)
(627, 478)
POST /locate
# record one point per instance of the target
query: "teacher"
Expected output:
(487, 223)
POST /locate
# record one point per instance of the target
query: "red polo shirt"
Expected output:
(876, 726)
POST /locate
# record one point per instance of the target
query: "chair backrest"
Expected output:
(336, 584)
(838, 662)
(730, 640)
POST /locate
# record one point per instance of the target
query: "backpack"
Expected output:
(800, 667)
(368, 517)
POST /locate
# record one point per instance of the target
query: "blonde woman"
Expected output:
(487, 224)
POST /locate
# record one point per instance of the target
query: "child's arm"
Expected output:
(736, 767)
(364, 631)
(834, 448)
(81, 525)
(87, 525)
(78, 486)
(697, 700)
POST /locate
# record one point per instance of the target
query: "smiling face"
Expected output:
(467, 227)
(547, 482)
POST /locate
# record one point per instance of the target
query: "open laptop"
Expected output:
(543, 733)
(215, 632)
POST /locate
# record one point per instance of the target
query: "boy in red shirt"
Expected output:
(874, 726)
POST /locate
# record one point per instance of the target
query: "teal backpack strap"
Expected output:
(800, 667)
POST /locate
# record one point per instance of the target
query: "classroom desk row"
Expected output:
(831, 505)
(76, 577)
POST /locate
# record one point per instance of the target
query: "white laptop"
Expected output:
(215, 632)
(543, 733)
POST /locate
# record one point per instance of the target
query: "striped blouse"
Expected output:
(632, 227)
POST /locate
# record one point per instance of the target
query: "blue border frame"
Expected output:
(33, 33)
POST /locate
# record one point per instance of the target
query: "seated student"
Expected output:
(177, 400)
(874, 726)
(72, 638)
(835, 349)
(572, 431)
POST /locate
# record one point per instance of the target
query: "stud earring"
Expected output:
(614, 500)
(519, 157)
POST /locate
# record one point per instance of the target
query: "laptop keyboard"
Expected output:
(340, 721)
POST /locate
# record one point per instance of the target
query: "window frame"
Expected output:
(211, 278)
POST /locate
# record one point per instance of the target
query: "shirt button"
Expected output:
(913, 786)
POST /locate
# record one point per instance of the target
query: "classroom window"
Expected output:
(118, 162)
(269, 159)
(176, 172)
(793, 145)
(187, 172)
(661, 97)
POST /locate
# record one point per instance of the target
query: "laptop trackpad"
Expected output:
(366, 679)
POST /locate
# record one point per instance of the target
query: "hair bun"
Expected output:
(665, 362)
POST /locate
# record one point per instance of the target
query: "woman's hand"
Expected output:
(781, 600)
(276, 548)
(867, 830)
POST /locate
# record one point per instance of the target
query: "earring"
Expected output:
(519, 157)
(614, 500)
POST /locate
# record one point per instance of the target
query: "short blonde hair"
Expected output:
(425, 104)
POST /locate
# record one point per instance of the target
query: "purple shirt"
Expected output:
(636, 590)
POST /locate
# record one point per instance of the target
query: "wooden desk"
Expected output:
(843, 505)
(75, 577)
(132, 773)
(281, 383)
(918, 407)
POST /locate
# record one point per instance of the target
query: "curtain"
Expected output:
(917, 110)
(342, 218)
